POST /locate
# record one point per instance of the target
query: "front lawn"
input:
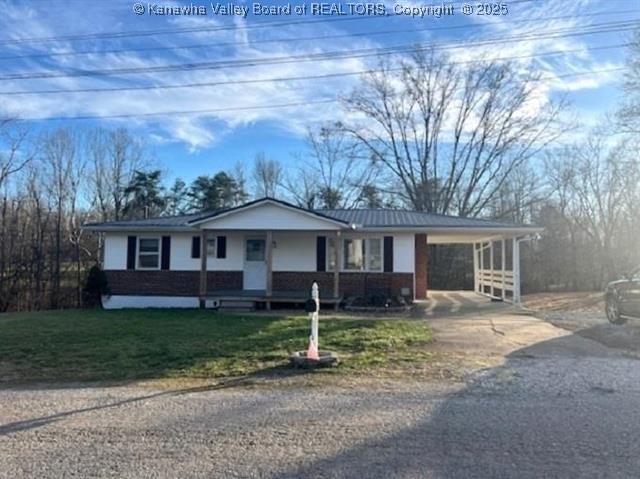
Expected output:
(81, 345)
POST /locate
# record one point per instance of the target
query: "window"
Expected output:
(354, 252)
(211, 247)
(331, 254)
(358, 254)
(148, 253)
(375, 254)
(256, 249)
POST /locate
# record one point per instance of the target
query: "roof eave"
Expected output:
(120, 228)
(458, 229)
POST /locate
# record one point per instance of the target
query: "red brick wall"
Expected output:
(421, 258)
(187, 283)
(170, 283)
(351, 284)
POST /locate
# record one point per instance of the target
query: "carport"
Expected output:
(496, 256)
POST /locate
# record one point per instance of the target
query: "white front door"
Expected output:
(255, 264)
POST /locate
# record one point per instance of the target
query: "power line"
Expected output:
(299, 39)
(607, 27)
(251, 108)
(284, 79)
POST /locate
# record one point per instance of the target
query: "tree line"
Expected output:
(423, 133)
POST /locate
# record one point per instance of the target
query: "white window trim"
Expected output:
(146, 268)
(367, 248)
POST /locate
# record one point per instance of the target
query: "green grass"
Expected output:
(82, 345)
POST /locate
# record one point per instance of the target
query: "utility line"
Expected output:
(358, 53)
(250, 108)
(285, 79)
(309, 38)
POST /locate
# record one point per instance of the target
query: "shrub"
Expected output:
(96, 285)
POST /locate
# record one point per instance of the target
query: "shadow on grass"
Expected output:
(93, 346)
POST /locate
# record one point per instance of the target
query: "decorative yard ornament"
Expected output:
(313, 357)
(313, 306)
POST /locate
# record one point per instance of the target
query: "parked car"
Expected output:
(623, 298)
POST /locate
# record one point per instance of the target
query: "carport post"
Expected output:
(504, 267)
(476, 282)
(491, 288)
(516, 271)
(482, 267)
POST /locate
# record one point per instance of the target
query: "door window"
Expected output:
(255, 250)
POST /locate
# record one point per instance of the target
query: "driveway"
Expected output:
(547, 403)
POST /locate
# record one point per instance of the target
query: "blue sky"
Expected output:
(187, 145)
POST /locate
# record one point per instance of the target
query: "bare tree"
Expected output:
(267, 176)
(114, 157)
(334, 172)
(58, 157)
(595, 183)
(13, 154)
(629, 113)
(450, 134)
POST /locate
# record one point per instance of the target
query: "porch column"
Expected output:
(516, 271)
(491, 260)
(337, 259)
(420, 266)
(269, 258)
(476, 281)
(203, 268)
(503, 254)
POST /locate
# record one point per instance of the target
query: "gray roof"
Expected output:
(362, 218)
(385, 218)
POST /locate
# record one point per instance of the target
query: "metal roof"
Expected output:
(384, 218)
(361, 218)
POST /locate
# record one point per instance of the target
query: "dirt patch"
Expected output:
(588, 302)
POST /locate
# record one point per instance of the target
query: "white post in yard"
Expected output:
(476, 283)
(516, 271)
(504, 267)
(491, 288)
(312, 352)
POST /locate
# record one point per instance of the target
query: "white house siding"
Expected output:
(403, 252)
(294, 251)
(269, 217)
(181, 259)
(115, 251)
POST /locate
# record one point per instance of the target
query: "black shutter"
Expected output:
(195, 247)
(388, 254)
(221, 247)
(131, 252)
(166, 252)
(321, 253)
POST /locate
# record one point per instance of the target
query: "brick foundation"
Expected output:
(351, 284)
(187, 283)
(170, 283)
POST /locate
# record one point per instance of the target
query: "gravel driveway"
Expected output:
(561, 406)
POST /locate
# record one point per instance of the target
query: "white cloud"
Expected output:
(203, 130)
